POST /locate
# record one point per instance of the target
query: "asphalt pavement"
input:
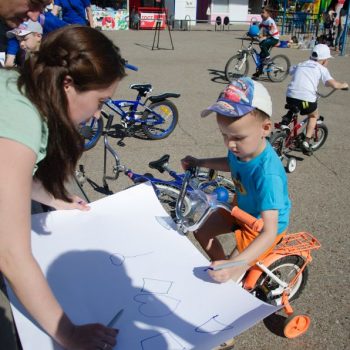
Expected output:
(319, 187)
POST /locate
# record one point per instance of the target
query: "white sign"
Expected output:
(121, 255)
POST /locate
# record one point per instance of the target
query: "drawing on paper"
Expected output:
(213, 326)
(156, 305)
(151, 285)
(118, 259)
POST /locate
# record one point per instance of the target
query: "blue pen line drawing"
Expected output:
(157, 342)
(156, 305)
(118, 259)
(213, 326)
(151, 285)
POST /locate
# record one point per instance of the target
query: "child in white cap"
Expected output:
(29, 34)
(302, 90)
(243, 112)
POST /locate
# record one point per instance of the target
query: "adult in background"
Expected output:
(14, 12)
(74, 11)
(59, 87)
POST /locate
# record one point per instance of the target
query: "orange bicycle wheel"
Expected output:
(296, 325)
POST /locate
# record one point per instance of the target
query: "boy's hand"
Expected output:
(189, 162)
(224, 275)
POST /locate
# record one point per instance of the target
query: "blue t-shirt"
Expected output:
(73, 11)
(51, 23)
(261, 184)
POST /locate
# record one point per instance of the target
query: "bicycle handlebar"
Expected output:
(185, 225)
(129, 66)
(245, 218)
(331, 92)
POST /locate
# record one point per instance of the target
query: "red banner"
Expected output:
(148, 20)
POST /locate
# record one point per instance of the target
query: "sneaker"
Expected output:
(256, 75)
(306, 148)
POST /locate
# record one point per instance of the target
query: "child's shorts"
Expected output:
(305, 107)
(245, 236)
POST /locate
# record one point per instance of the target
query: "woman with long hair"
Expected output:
(62, 85)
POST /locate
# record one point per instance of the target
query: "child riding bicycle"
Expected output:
(243, 112)
(268, 38)
(302, 90)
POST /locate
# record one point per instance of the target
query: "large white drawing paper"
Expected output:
(121, 255)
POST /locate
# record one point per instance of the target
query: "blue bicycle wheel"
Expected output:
(91, 132)
(152, 127)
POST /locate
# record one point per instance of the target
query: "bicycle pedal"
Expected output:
(121, 143)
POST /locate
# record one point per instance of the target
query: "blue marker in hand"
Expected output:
(115, 318)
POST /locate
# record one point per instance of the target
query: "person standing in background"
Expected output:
(74, 11)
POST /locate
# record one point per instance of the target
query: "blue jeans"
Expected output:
(265, 47)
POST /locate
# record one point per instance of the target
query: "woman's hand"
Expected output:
(91, 337)
(77, 203)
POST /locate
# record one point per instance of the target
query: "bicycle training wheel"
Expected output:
(153, 127)
(91, 131)
(319, 137)
(278, 142)
(237, 66)
(285, 269)
(278, 69)
(168, 195)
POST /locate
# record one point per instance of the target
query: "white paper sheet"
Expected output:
(119, 255)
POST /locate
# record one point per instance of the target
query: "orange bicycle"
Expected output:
(280, 277)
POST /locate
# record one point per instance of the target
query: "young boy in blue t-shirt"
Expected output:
(243, 112)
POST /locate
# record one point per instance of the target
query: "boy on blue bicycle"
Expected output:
(268, 38)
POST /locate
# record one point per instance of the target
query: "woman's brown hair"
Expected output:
(93, 63)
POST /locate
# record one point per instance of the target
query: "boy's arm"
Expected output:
(90, 17)
(336, 84)
(220, 164)
(260, 244)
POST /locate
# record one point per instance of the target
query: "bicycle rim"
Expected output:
(91, 132)
(151, 124)
(236, 67)
(285, 269)
(277, 141)
(168, 195)
(319, 137)
(278, 69)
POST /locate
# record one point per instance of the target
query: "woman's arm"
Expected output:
(18, 264)
(40, 195)
(16, 259)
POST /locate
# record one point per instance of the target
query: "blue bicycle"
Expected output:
(166, 190)
(277, 68)
(156, 116)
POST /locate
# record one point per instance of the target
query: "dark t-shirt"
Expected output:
(3, 38)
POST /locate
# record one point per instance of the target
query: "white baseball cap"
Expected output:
(240, 97)
(321, 52)
(25, 28)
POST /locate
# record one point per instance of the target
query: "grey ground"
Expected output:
(319, 188)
